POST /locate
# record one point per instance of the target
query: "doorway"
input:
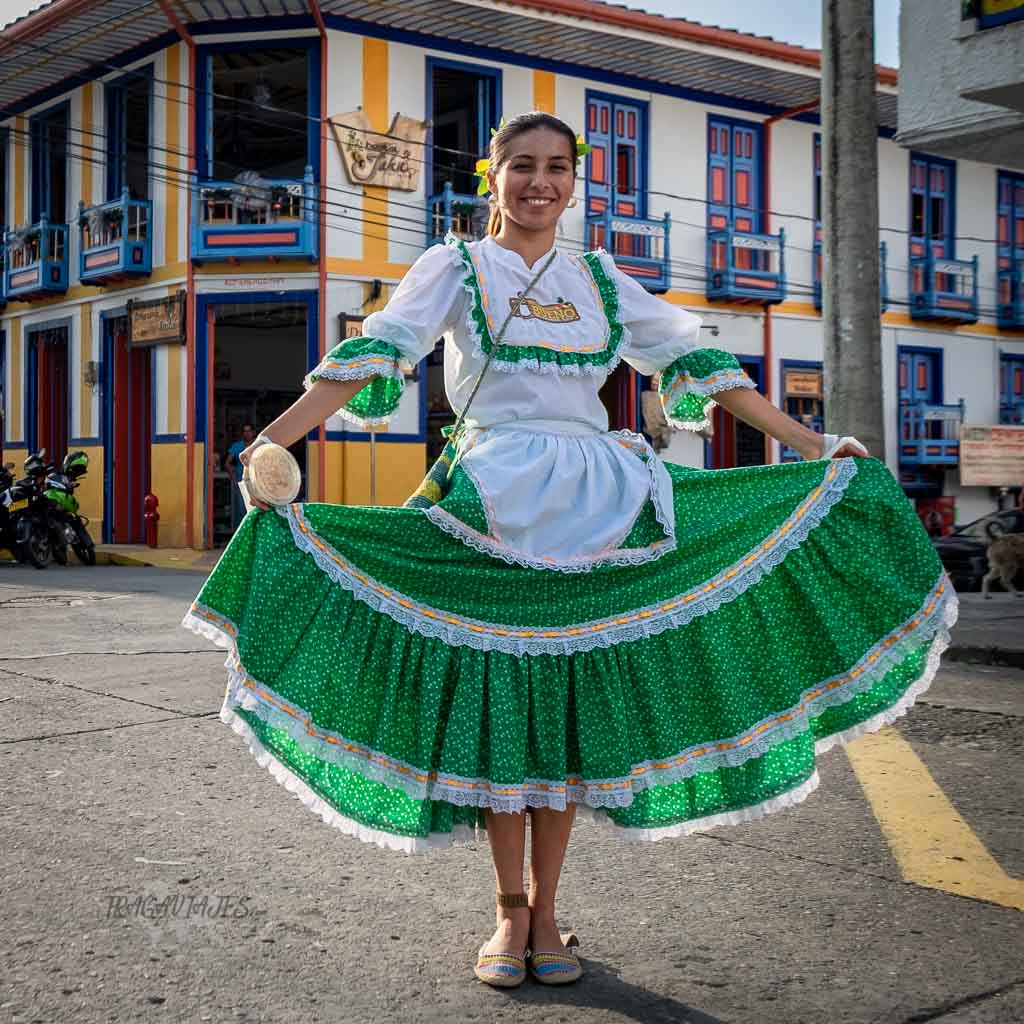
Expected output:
(49, 408)
(127, 433)
(258, 353)
(733, 442)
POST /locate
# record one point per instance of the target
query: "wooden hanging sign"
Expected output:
(385, 160)
(157, 321)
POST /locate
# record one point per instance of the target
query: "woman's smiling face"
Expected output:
(535, 183)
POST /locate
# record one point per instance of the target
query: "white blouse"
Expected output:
(558, 489)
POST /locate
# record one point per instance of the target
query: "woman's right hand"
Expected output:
(243, 457)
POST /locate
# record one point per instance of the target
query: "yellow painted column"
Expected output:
(86, 139)
(15, 426)
(172, 190)
(375, 105)
(544, 91)
(85, 424)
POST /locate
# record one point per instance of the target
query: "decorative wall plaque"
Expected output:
(385, 160)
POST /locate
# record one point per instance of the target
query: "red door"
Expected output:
(52, 392)
(133, 418)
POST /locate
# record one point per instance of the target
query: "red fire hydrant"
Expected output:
(151, 517)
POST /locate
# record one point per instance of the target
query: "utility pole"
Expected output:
(849, 206)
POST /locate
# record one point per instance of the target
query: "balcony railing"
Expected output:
(639, 245)
(115, 240)
(746, 267)
(1010, 295)
(254, 218)
(463, 215)
(930, 434)
(883, 275)
(36, 261)
(3, 279)
(1012, 413)
(944, 289)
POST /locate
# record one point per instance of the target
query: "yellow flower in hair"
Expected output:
(482, 166)
(582, 149)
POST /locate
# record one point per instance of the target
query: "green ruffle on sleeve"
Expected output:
(374, 359)
(688, 384)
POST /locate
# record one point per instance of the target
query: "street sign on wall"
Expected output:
(992, 456)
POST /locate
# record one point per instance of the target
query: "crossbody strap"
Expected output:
(455, 433)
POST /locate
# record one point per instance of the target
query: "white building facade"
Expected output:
(702, 182)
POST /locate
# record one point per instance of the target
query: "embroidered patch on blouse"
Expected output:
(551, 356)
(560, 312)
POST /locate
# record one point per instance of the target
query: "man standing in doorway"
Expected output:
(237, 502)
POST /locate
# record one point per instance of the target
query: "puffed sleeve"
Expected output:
(665, 339)
(423, 307)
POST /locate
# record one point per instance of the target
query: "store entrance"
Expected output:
(258, 358)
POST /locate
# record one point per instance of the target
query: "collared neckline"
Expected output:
(511, 253)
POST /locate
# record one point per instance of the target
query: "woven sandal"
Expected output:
(556, 968)
(503, 970)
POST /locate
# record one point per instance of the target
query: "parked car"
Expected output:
(963, 552)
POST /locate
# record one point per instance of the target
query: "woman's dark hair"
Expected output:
(510, 131)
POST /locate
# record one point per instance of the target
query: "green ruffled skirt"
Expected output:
(399, 682)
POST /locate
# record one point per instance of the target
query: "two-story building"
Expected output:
(195, 153)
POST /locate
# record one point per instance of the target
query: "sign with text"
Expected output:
(157, 321)
(992, 456)
(803, 383)
(390, 159)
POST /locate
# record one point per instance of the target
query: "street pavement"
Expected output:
(154, 872)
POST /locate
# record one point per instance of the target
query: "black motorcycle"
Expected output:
(67, 524)
(25, 524)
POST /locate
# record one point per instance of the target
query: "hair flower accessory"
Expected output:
(483, 165)
(481, 172)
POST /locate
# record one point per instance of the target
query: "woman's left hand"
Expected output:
(855, 450)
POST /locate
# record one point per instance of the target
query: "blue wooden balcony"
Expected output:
(254, 218)
(36, 261)
(930, 434)
(463, 215)
(883, 275)
(1012, 413)
(1010, 295)
(746, 267)
(116, 243)
(944, 289)
(639, 245)
(3, 281)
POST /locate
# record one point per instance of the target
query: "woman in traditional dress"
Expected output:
(571, 623)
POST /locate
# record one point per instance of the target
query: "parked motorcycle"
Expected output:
(67, 522)
(25, 518)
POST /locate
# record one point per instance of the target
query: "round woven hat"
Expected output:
(273, 475)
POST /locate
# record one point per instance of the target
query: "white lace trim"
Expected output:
(461, 835)
(456, 528)
(700, 600)
(790, 798)
(535, 365)
(355, 371)
(937, 615)
(659, 492)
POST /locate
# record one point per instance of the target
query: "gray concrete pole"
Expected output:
(849, 206)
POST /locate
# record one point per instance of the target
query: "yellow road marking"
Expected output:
(932, 843)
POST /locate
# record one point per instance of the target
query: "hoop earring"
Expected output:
(572, 202)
